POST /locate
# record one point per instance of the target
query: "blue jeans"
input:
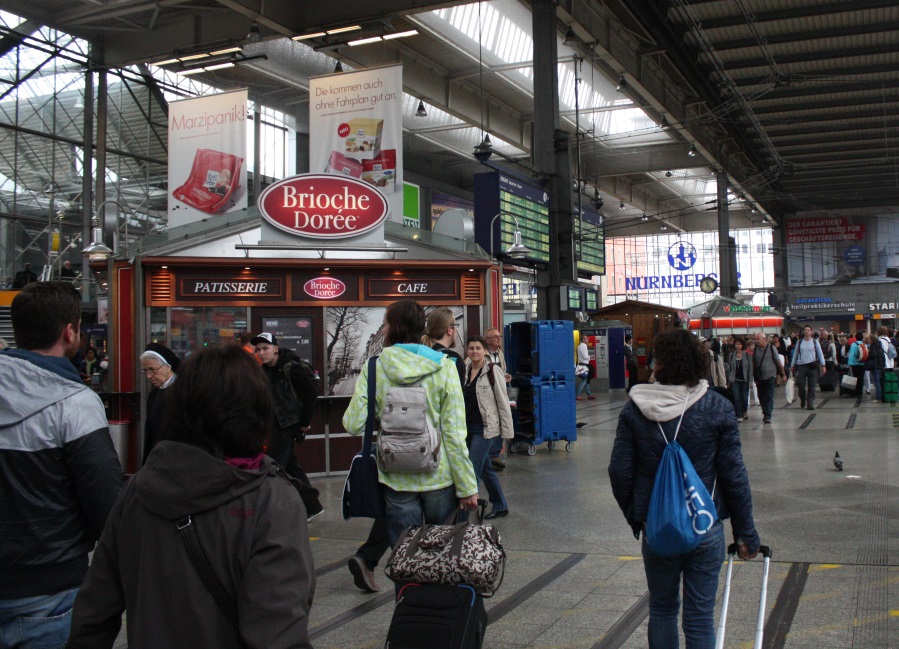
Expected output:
(42, 622)
(766, 396)
(479, 452)
(741, 397)
(408, 508)
(700, 569)
(877, 380)
(584, 383)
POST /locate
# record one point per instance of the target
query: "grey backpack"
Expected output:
(408, 441)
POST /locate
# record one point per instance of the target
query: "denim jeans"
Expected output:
(766, 396)
(408, 508)
(584, 382)
(700, 569)
(807, 382)
(877, 380)
(479, 452)
(41, 621)
(741, 397)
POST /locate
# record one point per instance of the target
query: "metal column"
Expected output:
(87, 179)
(552, 157)
(727, 282)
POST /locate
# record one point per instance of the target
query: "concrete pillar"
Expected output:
(727, 274)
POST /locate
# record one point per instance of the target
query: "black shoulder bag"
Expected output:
(363, 495)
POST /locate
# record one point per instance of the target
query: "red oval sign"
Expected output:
(323, 206)
(324, 288)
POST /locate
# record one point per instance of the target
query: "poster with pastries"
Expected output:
(356, 129)
(207, 156)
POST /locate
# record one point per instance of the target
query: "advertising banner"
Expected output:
(356, 129)
(845, 249)
(207, 154)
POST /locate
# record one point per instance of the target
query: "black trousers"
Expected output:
(376, 545)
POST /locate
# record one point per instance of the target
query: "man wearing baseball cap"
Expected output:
(295, 400)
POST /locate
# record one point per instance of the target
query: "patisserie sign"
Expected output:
(323, 206)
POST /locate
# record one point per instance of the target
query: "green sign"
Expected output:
(746, 309)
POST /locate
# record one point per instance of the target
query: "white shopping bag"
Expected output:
(790, 388)
(753, 395)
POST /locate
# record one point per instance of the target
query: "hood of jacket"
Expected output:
(179, 480)
(29, 382)
(660, 402)
(408, 363)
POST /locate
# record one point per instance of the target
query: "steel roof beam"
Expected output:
(795, 37)
(839, 72)
(810, 10)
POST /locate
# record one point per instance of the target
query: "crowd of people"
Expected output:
(748, 369)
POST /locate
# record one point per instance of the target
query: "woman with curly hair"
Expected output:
(681, 405)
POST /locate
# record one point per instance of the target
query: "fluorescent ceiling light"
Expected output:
(303, 37)
(364, 41)
(185, 73)
(340, 30)
(166, 62)
(194, 56)
(229, 64)
(228, 51)
(411, 32)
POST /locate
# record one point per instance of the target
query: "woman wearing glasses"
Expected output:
(158, 364)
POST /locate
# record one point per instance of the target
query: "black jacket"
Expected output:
(291, 411)
(710, 436)
(251, 524)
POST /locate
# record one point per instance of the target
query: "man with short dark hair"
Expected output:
(295, 401)
(59, 472)
(766, 367)
(24, 277)
(630, 359)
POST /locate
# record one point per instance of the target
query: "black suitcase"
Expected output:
(830, 381)
(434, 616)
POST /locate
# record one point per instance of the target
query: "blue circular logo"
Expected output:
(854, 255)
(682, 255)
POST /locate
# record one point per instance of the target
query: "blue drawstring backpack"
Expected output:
(681, 511)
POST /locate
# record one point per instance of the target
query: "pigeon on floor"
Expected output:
(838, 461)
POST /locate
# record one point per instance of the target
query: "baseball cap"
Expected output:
(264, 338)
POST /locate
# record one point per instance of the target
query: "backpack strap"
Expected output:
(372, 398)
(490, 376)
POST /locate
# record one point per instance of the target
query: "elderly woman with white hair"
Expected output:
(159, 365)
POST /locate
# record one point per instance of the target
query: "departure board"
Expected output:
(591, 298)
(513, 200)
(530, 206)
(591, 248)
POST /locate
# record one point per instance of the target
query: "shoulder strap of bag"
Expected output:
(372, 398)
(201, 564)
(679, 421)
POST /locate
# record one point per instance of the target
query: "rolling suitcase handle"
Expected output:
(725, 599)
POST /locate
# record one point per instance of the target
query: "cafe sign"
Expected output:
(323, 206)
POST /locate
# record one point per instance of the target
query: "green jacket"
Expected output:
(405, 364)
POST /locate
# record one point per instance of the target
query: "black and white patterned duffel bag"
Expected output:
(455, 553)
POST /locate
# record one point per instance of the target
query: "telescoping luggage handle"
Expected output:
(763, 596)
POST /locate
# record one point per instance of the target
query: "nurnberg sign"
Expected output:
(681, 257)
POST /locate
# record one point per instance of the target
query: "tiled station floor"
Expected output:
(574, 578)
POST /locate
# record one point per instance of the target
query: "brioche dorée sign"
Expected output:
(320, 206)
(324, 288)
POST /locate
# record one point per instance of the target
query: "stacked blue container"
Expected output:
(540, 358)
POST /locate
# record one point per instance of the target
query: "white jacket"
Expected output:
(890, 363)
(493, 402)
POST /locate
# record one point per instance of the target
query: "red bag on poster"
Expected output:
(214, 176)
